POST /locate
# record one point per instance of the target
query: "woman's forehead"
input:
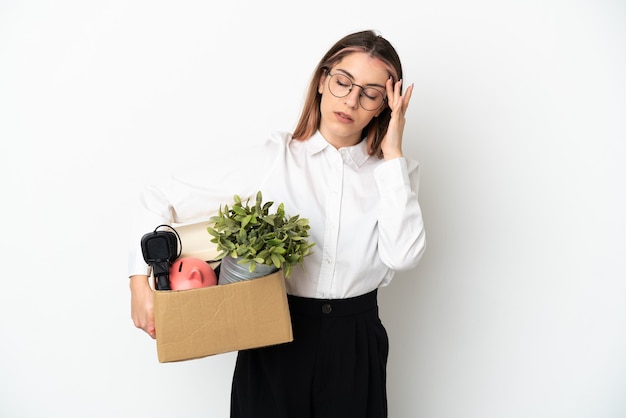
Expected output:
(364, 67)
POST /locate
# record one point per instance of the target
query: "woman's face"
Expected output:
(343, 118)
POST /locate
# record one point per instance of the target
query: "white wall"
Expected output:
(518, 307)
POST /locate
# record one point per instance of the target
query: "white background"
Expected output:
(519, 307)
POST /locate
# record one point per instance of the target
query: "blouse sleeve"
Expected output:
(195, 195)
(401, 235)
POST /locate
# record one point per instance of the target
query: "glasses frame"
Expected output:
(352, 84)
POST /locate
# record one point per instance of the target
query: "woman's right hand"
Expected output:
(142, 304)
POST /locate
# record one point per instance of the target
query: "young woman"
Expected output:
(342, 168)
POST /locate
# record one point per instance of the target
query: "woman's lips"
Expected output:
(343, 117)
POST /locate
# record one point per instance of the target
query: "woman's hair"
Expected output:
(377, 47)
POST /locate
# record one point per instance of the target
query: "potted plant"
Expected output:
(252, 239)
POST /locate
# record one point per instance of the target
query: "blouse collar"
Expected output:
(355, 155)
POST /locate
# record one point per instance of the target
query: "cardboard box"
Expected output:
(218, 319)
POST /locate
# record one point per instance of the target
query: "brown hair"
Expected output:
(377, 47)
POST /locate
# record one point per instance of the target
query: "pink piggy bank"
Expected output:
(191, 273)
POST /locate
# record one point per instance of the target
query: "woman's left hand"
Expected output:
(398, 103)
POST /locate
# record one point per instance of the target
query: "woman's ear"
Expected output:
(320, 85)
(322, 80)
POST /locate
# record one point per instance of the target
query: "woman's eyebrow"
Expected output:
(351, 77)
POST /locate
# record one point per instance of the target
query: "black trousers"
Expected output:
(334, 368)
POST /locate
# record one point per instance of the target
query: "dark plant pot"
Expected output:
(231, 272)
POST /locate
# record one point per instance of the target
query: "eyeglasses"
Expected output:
(370, 98)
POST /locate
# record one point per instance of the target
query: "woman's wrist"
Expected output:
(392, 155)
(139, 281)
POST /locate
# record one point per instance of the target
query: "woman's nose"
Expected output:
(352, 99)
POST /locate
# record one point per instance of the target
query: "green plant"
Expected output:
(253, 235)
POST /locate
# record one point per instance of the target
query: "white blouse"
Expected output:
(364, 214)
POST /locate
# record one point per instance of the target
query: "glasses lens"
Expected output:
(339, 85)
(370, 98)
